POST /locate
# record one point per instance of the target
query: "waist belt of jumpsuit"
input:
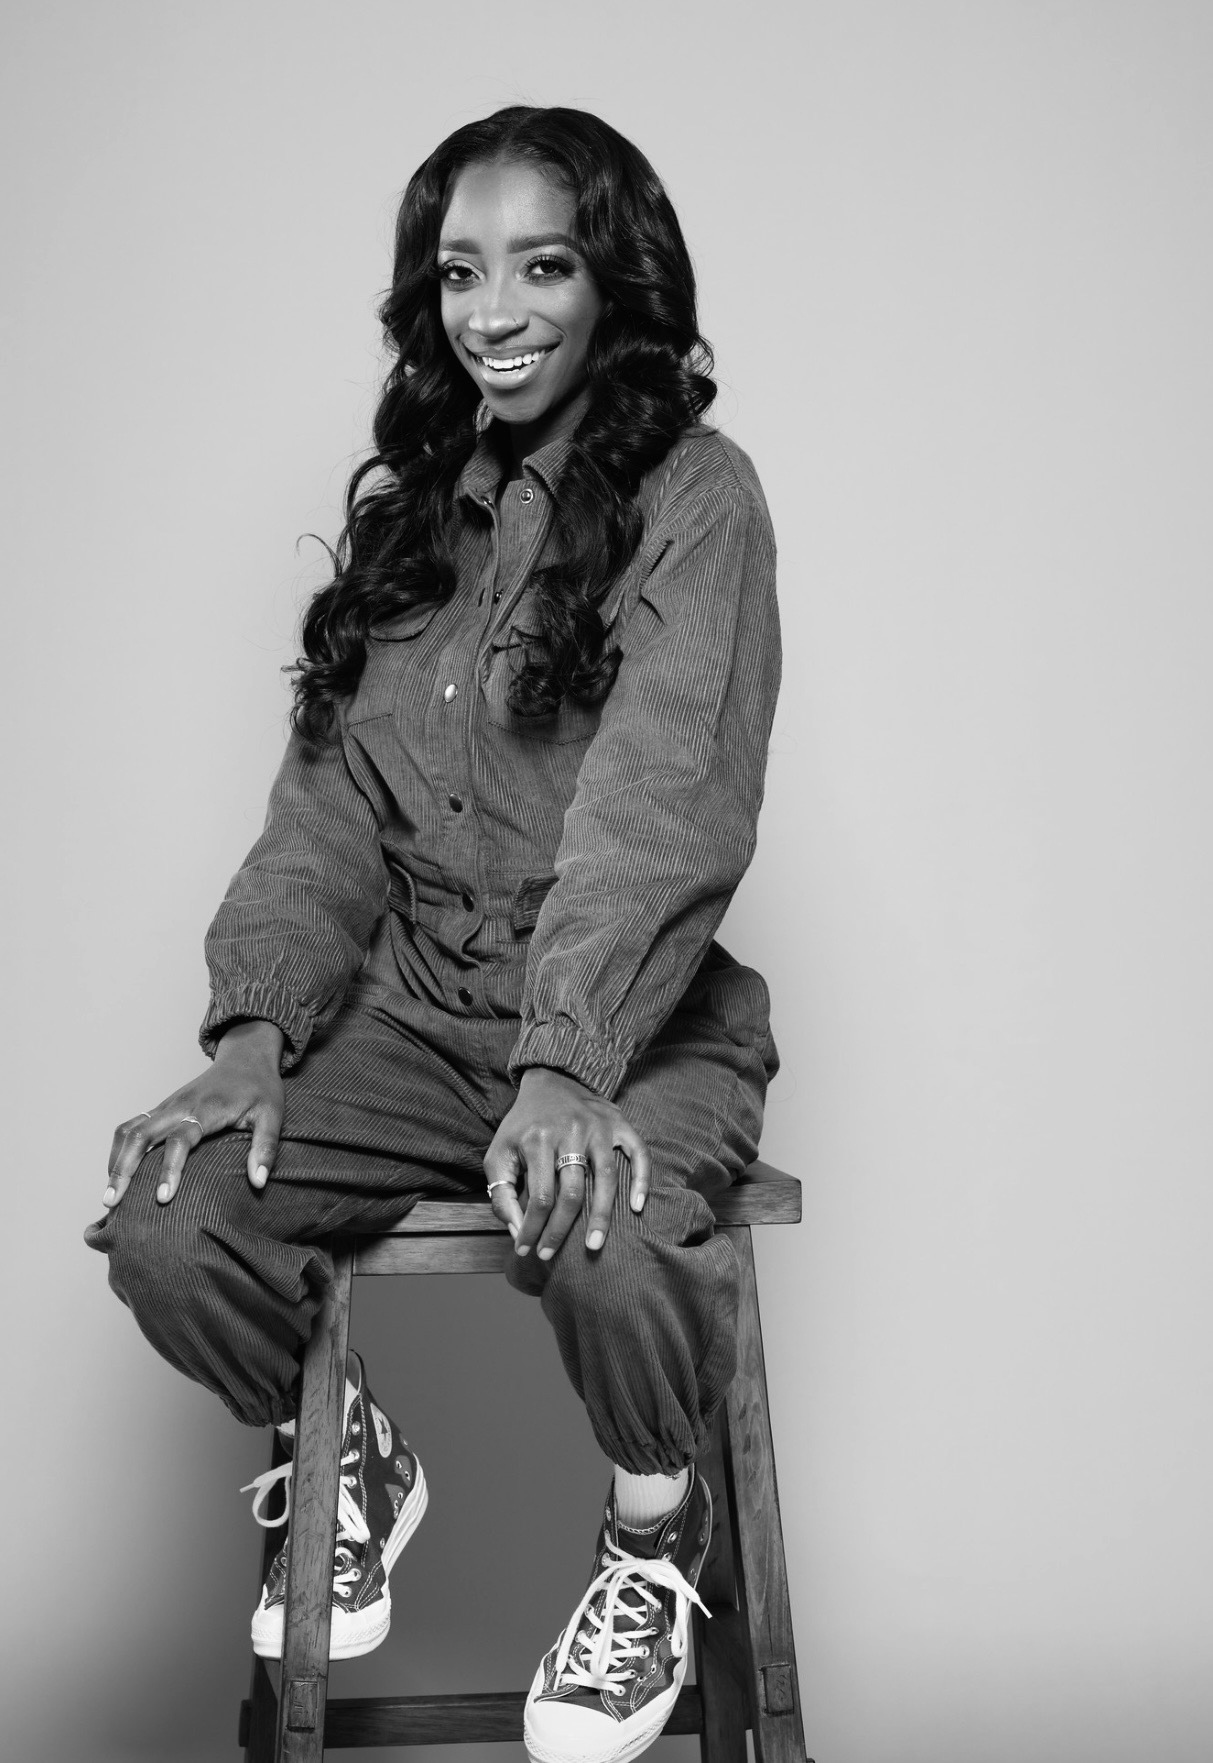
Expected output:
(406, 893)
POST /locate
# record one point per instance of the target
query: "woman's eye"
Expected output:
(548, 269)
(455, 275)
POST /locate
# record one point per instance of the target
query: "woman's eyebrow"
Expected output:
(515, 245)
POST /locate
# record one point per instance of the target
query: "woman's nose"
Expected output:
(492, 325)
(493, 316)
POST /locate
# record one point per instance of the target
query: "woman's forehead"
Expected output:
(505, 202)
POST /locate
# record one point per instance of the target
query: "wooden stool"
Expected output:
(745, 1660)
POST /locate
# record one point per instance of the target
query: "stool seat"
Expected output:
(762, 1195)
(744, 1655)
(433, 1236)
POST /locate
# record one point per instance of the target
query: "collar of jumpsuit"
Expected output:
(480, 480)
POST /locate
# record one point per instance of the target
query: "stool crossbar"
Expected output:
(745, 1658)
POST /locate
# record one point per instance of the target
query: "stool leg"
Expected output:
(313, 1532)
(762, 1579)
(721, 1650)
(259, 1715)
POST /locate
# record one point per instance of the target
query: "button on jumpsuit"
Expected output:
(450, 894)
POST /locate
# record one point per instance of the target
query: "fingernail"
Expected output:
(637, 1202)
(513, 1229)
(595, 1240)
(162, 1191)
(107, 1198)
(522, 1249)
(262, 1176)
(546, 1254)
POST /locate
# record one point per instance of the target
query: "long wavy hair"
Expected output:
(648, 372)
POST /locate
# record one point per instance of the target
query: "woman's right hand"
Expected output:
(242, 1088)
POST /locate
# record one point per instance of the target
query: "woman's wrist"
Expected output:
(536, 1075)
(255, 1037)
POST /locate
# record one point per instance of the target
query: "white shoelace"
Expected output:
(351, 1525)
(598, 1659)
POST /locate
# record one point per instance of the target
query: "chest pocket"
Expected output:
(499, 669)
(386, 666)
(503, 661)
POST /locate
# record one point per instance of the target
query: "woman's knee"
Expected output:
(155, 1247)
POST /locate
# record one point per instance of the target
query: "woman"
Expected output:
(528, 745)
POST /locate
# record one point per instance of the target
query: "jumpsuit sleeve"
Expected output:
(662, 826)
(298, 915)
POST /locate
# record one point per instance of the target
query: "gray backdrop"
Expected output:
(957, 263)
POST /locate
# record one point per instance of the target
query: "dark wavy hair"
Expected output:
(648, 374)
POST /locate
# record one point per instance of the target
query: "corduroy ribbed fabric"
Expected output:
(225, 1280)
(451, 894)
(566, 874)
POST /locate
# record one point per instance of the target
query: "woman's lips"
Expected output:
(510, 370)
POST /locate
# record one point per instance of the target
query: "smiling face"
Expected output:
(518, 303)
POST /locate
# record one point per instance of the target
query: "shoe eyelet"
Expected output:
(356, 1429)
(342, 1591)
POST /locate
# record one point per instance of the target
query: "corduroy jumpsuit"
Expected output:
(451, 894)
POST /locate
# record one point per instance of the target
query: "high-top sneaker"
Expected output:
(381, 1499)
(606, 1689)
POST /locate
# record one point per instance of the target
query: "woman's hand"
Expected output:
(242, 1088)
(554, 1114)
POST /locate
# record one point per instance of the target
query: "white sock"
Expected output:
(642, 1501)
(287, 1427)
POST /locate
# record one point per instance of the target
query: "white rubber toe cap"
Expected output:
(566, 1732)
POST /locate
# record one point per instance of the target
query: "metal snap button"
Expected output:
(469, 905)
(464, 996)
(451, 693)
(526, 494)
(456, 803)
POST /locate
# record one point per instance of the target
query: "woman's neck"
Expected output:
(525, 438)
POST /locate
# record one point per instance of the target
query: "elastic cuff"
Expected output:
(565, 1047)
(653, 1456)
(260, 1002)
(269, 1412)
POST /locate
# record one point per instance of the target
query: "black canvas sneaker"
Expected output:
(382, 1497)
(606, 1689)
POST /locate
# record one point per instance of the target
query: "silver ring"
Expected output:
(193, 1119)
(573, 1157)
(143, 1115)
(502, 1182)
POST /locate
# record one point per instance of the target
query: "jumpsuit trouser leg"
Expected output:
(225, 1280)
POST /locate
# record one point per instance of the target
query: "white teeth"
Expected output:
(510, 366)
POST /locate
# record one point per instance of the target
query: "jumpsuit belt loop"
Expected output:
(402, 892)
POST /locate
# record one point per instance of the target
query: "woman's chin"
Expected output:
(543, 413)
(517, 407)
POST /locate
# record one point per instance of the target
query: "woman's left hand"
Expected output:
(554, 1115)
